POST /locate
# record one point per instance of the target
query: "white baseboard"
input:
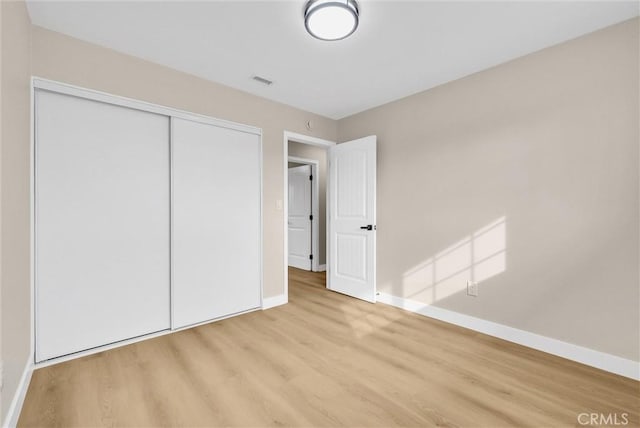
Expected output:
(322, 268)
(11, 420)
(271, 302)
(580, 354)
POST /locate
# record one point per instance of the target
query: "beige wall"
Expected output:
(545, 145)
(14, 196)
(316, 153)
(62, 58)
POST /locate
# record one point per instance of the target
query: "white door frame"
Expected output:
(304, 139)
(315, 212)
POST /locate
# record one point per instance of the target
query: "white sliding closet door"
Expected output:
(216, 222)
(102, 224)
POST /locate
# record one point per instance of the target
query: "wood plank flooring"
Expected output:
(324, 360)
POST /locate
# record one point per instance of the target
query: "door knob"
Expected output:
(368, 227)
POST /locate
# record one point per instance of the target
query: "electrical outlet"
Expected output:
(472, 288)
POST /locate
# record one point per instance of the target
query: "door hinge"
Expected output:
(311, 177)
(311, 217)
(310, 256)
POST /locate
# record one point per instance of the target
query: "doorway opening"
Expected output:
(349, 240)
(306, 210)
(306, 205)
(304, 218)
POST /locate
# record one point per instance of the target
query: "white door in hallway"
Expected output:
(299, 220)
(352, 218)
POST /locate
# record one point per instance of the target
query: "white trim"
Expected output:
(171, 229)
(305, 161)
(261, 203)
(322, 268)
(77, 91)
(315, 205)
(13, 413)
(327, 217)
(32, 225)
(304, 139)
(273, 301)
(601, 360)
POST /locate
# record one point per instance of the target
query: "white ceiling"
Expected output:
(400, 48)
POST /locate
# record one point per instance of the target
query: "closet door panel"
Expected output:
(102, 224)
(216, 222)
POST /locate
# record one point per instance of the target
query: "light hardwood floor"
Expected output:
(324, 360)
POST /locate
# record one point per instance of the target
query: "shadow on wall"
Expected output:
(476, 258)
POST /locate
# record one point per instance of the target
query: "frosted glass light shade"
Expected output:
(331, 20)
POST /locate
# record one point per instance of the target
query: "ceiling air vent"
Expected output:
(262, 80)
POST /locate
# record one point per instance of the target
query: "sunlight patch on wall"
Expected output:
(477, 257)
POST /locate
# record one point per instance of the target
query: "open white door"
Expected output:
(352, 218)
(299, 220)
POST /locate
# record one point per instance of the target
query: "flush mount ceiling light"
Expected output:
(331, 19)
